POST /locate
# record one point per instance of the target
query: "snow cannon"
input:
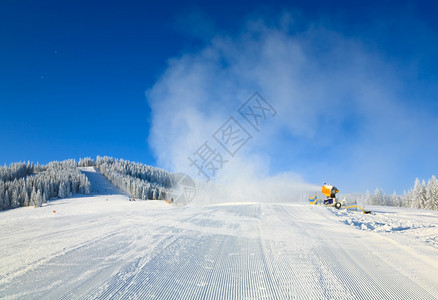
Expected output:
(330, 191)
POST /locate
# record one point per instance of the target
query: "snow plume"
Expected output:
(333, 101)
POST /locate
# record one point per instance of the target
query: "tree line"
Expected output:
(424, 195)
(139, 180)
(26, 184)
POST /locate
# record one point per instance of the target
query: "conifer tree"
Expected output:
(33, 198)
(432, 194)
(416, 194)
(15, 197)
(26, 198)
(39, 199)
(423, 194)
(62, 191)
(7, 200)
(1, 201)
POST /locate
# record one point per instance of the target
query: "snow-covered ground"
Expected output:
(105, 246)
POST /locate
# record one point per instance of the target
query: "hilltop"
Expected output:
(29, 184)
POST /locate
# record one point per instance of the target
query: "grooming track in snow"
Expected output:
(105, 247)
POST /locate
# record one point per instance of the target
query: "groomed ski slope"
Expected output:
(106, 247)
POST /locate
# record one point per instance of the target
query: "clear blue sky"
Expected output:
(73, 74)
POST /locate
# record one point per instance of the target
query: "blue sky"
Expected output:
(87, 78)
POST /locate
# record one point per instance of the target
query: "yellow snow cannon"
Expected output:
(330, 191)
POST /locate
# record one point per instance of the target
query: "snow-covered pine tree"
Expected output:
(133, 191)
(68, 188)
(395, 199)
(406, 199)
(15, 202)
(75, 186)
(7, 200)
(432, 194)
(26, 198)
(39, 199)
(415, 195)
(161, 195)
(143, 193)
(34, 198)
(62, 191)
(423, 194)
(2, 199)
(2, 194)
(84, 185)
(377, 198)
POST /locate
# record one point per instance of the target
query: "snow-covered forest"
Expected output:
(138, 180)
(423, 195)
(24, 184)
(27, 184)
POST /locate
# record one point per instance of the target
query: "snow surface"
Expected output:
(99, 184)
(105, 246)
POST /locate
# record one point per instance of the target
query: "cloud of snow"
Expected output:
(338, 115)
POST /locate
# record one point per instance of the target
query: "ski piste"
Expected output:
(106, 247)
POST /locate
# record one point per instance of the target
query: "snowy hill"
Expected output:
(99, 184)
(104, 247)
(28, 184)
